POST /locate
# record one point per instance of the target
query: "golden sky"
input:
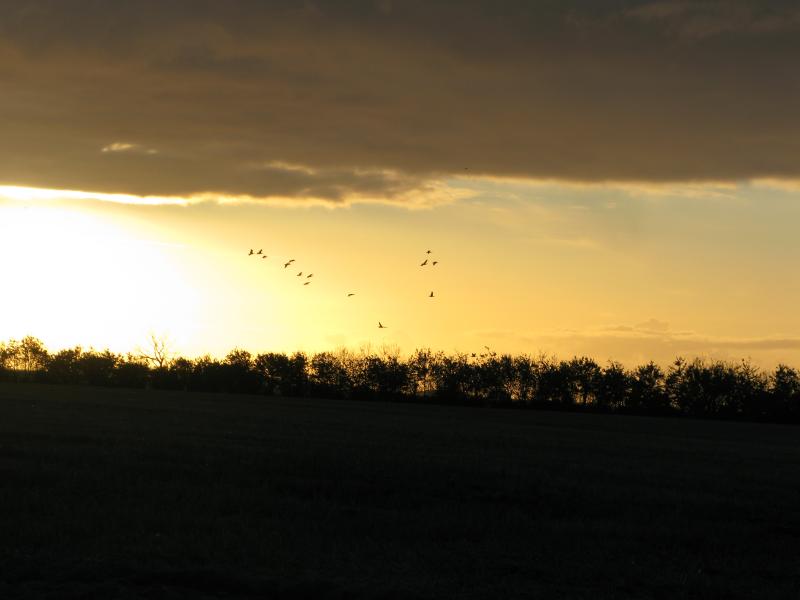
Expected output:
(614, 271)
(614, 179)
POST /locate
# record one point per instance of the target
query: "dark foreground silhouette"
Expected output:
(129, 494)
(707, 389)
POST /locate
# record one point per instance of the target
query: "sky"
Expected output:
(619, 178)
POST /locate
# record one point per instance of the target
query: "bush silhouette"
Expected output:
(696, 388)
(648, 393)
(64, 367)
(784, 399)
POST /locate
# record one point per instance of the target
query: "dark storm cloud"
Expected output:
(378, 99)
(696, 20)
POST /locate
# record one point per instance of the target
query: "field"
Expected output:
(123, 494)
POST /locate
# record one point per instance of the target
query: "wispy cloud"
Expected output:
(704, 19)
(38, 194)
(118, 147)
(426, 196)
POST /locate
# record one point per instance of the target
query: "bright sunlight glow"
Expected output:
(14, 192)
(71, 277)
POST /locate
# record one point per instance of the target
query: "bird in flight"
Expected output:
(300, 274)
(351, 294)
(286, 264)
(428, 252)
(431, 296)
(423, 263)
(261, 251)
(265, 256)
(310, 275)
(381, 325)
(434, 263)
(251, 252)
(306, 283)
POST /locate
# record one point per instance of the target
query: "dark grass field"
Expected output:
(123, 494)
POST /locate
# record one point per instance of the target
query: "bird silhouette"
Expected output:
(431, 296)
(299, 274)
(309, 275)
(286, 264)
(381, 325)
(306, 283)
(351, 294)
(434, 263)
(261, 251)
(428, 252)
(423, 263)
(265, 256)
(251, 252)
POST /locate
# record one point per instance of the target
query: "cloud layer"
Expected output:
(380, 99)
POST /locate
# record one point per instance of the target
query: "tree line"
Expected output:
(696, 388)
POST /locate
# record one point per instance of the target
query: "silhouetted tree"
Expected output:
(275, 371)
(283, 375)
(180, 373)
(648, 393)
(786, 393)
(5, 359)
(97, 368)
(674, 385)
(524, 386)
(207, 375)
(613, 387)
(64, 367)
(328, 377)
(548, 381)
(556, 382)
(24, 360)
(131, 372)
(158, 352)
(239, 373)
(386, 375)
(297, 380)
(749, 392)
(688, 383)
(717, 389)
(587, 377)
(505, 382)
(420, 370)
(494, 377)
(450, 373)
(477, 377)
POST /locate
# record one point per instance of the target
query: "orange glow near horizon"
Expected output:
(524, 268)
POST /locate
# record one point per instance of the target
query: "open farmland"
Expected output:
(128, 494)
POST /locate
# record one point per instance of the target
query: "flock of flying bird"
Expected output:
(289, 262)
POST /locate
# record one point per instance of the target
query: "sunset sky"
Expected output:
(619, 179)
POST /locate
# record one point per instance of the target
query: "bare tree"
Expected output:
(158, 353)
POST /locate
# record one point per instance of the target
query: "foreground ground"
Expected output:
(123, 494)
